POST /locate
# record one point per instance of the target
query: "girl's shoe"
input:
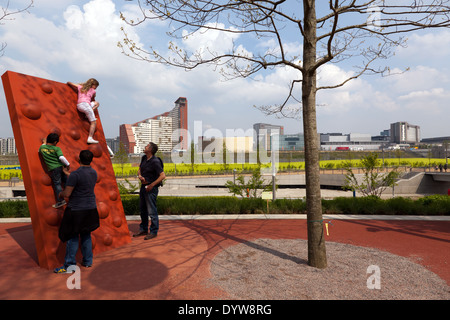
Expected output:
(91, 140)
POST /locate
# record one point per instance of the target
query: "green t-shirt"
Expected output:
(51, 155)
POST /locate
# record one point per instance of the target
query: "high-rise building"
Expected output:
(113, 144)
(8, 146)
(180, 122)
(262, 133)
(168, 130)
(126, 137)
(404, 133)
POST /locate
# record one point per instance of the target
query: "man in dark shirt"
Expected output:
(151, 174)
(81, 215)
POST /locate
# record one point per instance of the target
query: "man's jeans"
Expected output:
(72, 248)
(147, 205)
(58, 178)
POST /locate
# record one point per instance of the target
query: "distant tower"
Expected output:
(180, 121)
(126, 137)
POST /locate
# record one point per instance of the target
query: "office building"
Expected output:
(404, 133)
(292, 142)
(351, 141)
(436, 140)
(232, 144)
(113, 144)
(262, 133)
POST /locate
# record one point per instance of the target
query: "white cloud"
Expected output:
(292, 50)
(23, 65)
(31, 42)
(94, 33)
(207, 110)
(74, 17)
(417, 78)
(425, 94)
(84, 45)
(432, 101)
(206, 40)
(427, 47)
(383, 102)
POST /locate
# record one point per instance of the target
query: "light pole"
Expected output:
(274, 149)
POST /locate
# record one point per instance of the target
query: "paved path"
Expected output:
(175, 265)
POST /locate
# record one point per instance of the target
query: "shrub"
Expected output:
(434, 205)
(130, 204)
(401, 206)
(288, 206)
(14, 209)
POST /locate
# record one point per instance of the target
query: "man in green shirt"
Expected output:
(55, 162)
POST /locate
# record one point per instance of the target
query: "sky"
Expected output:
(74, 40)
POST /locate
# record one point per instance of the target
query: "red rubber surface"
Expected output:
(175, 265)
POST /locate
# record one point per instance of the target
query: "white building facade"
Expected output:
(8, 146)
(157, 130)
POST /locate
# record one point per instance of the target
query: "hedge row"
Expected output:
(431, 205)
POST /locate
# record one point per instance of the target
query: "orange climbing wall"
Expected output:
(38, 107)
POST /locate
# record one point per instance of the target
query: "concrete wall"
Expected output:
(422, 183)
(416, 183)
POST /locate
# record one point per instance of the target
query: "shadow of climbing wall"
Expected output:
(38, 107)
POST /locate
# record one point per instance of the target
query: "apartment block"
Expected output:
(8, 146)
(168, 130)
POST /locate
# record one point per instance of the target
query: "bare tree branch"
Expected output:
(281, 109)
(339, 40)
(5, 14)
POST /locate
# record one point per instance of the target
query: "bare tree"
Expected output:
(364, 31)
(5, 14)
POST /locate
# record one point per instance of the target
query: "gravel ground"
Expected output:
(277, 270)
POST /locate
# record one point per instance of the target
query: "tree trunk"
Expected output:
(316, 242)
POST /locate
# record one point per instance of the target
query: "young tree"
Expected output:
(121, 156)
(227, 156)
(363, 30)
(251, 188)
(193, 156)
(372, 183)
